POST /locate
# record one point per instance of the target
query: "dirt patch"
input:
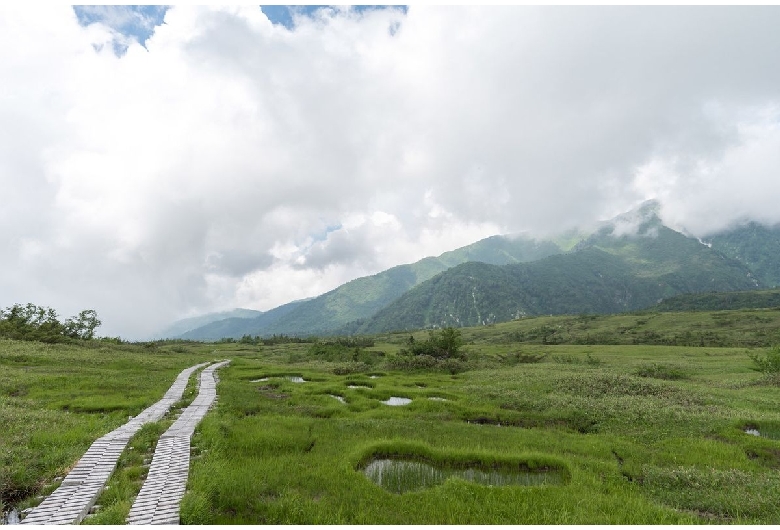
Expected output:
(271, 392)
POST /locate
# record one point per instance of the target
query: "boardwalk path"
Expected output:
(71, 502)
(163, 489)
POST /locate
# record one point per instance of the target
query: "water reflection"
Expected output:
(11, 517)
(402, 476)
(397, 401)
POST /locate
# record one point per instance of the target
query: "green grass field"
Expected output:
(56, 399)
(633, 434)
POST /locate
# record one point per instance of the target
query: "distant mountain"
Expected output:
(238, 327)
(180, 327)
(363, 297)
(721, 301)
(628, 264)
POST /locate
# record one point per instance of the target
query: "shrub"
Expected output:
(565, 359)
(593, 361)
(407, 361)
(339, 352)
(522, 358)
(769, 363)
(444, 344)
(661, 371)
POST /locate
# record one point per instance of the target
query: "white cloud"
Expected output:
(233, 162)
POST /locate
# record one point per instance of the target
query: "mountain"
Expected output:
(683, 263)
(365, 296)
(474, 293)
(181, 327)
(629, 263)
(238, 327)
(756, 246)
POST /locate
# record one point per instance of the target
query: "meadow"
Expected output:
(597, 434)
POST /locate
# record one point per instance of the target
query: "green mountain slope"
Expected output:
(756, 246)
(363, 297)
(604, 274)
(682, 263)
(628, 263)
(472, 294)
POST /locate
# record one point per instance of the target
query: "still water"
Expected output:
(402, 476)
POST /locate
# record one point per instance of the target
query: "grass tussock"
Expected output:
(724, 495)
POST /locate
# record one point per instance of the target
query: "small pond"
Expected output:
(259, 380)
(11, 517)
(296, 379)
(341, 399)
(435, 398)
(765, 431)
(402, 476)
(358, 386)
(397, 401)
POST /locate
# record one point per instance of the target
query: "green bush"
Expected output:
(661, 371)
(443, 344)
(523, 358)
(407, 361)
(769, 363)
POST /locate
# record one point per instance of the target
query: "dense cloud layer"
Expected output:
(233, 162)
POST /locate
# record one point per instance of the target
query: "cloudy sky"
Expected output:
(161, 163)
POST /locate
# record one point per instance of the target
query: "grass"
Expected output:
(286, 453)
(55, 400)
(749, 328)
(642, 434)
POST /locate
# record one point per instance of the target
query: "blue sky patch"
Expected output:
(138, 22)
(283, 15)
(135, 22)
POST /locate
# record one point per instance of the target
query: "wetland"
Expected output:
(514, 433)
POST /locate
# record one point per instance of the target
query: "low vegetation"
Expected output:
(769, 362)
(629, 433)
(56, 399)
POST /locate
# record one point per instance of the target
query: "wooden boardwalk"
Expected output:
(80, 489)
(162, 491)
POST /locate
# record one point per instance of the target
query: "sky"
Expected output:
(159, 163)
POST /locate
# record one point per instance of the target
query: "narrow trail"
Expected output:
(162, 491)
(80, 489)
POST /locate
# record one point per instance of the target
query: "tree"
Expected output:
(83, 325)
(30, 322)
(446, 343)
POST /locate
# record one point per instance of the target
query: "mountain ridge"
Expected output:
(367, 295)
(641, 262)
